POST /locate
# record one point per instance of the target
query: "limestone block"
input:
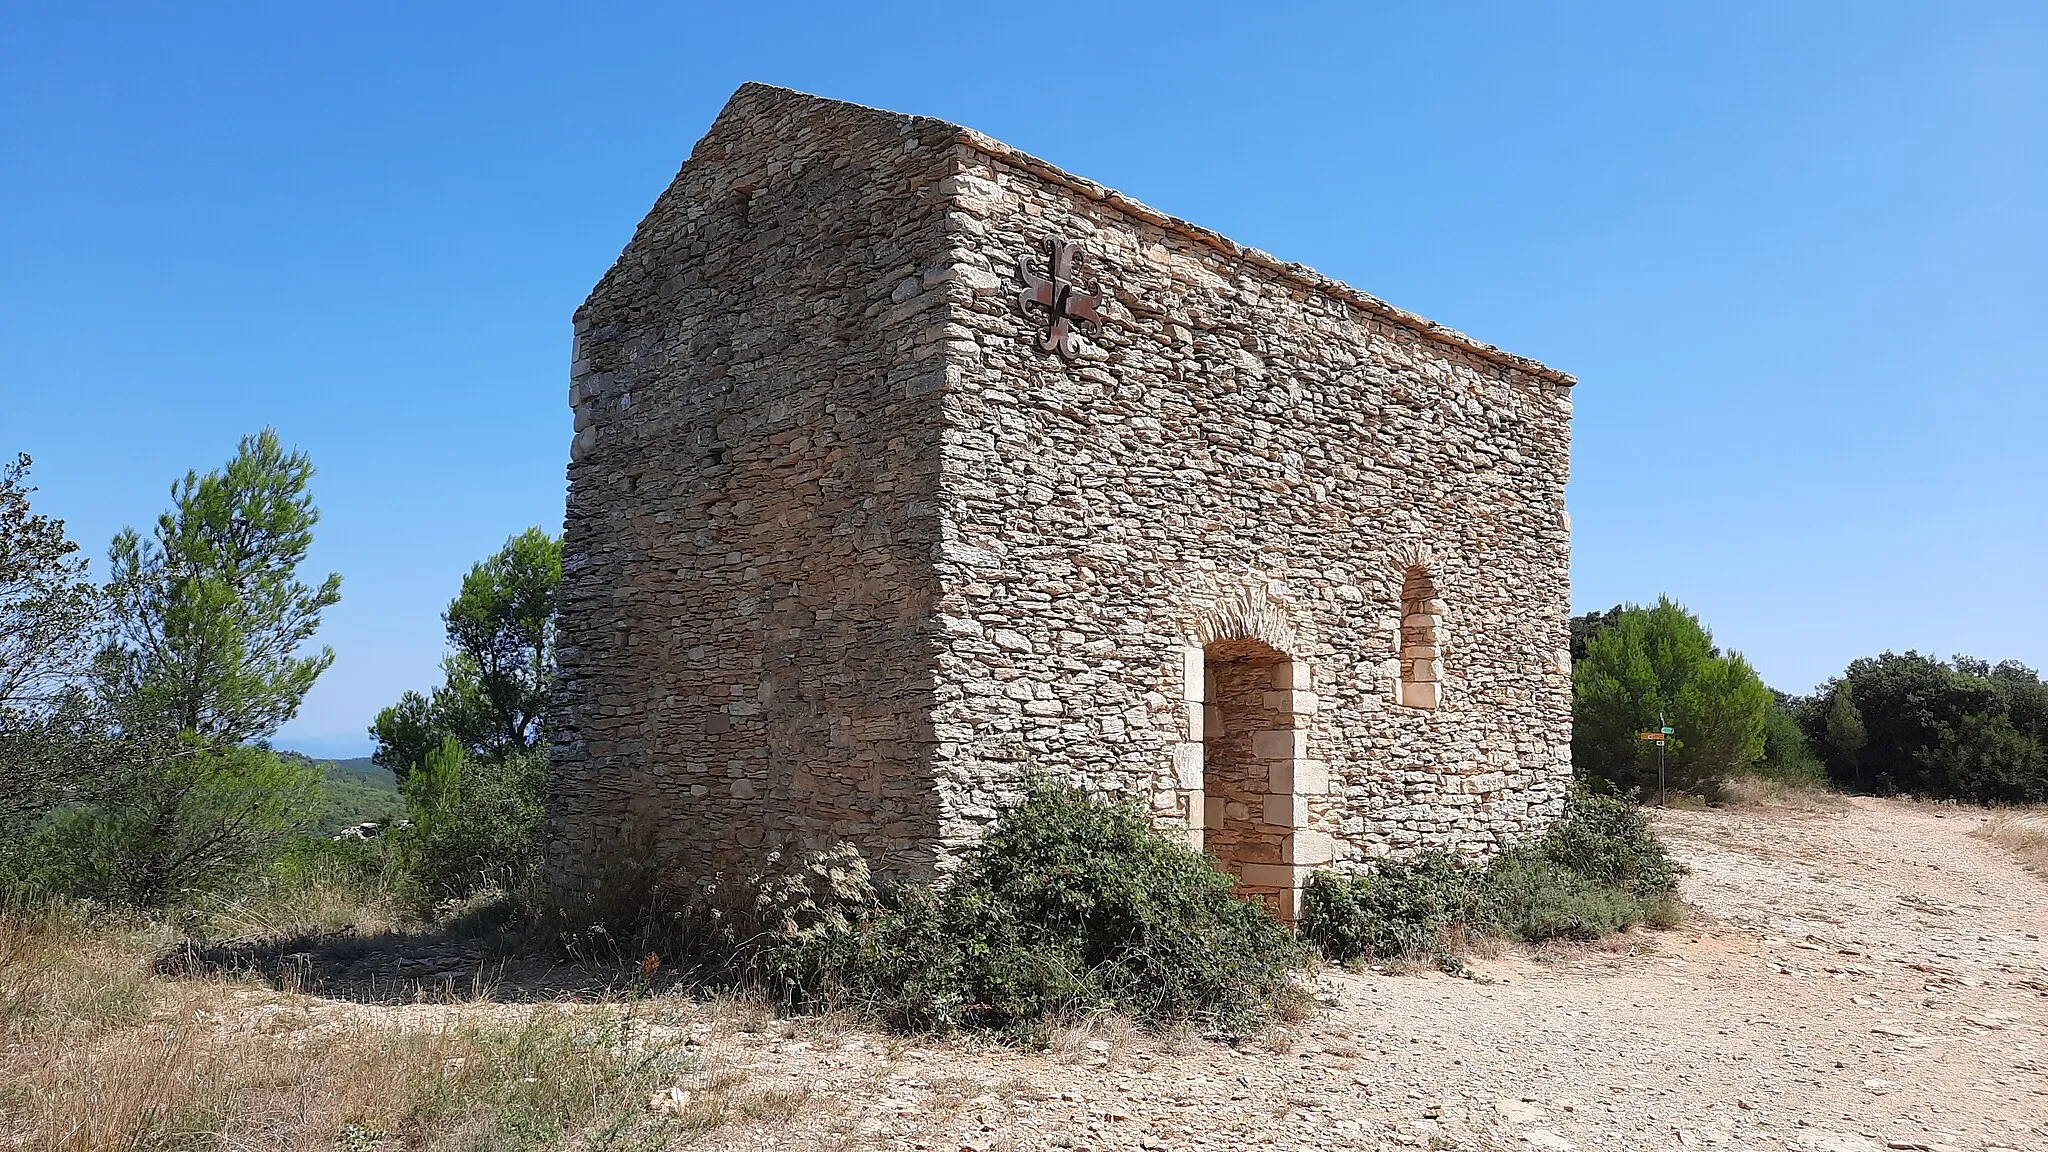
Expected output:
(1293, 675)
(1280, 744)
(1191, 677)
(1419, 694)
(1299, 703)
(1286, 905)
(1299, 777)
(1285, 810)
(1011, 640)
(1307, 848)
(1268, 875)
(1187, 765)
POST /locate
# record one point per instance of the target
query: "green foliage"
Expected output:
(476, 819)
(50, 757)
(1583, 628)
(1842, 732)
(1647, 663)
(1787, 757)
(408, 732)
(1067, 906)
(434, 787)
(475, 824)
(1913, 724)
(356, 792)
(495, 682)
(50, 618)
(351, 792)
(49, 610)
(1600, 868)
(1400, 908)
(312, 861)
(208, 612)
(503, 624)
(190, 821)
(1609, 842)
(202, 658)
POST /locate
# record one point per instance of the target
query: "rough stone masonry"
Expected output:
(906, 464)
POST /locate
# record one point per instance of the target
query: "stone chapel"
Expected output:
(906, 463)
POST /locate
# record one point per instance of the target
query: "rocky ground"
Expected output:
(1867, 978)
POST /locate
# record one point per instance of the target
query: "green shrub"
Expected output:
(185, 823)
(311, 861)
(1609, 842)
(476, 822)
(1067, 906)
(1400, 908)
(1600, 868)
(1530, 897)
(1788, 758)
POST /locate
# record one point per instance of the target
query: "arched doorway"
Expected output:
(1255, 710)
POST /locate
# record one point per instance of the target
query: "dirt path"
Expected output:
(1867, 979)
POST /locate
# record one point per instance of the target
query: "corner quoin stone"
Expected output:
(847, 552)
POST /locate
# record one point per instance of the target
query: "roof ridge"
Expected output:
(1295, 271)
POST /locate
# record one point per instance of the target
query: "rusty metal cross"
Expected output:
(1057, 296)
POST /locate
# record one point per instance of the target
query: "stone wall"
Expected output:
(745, 644)
(1245, 451)
(847, 552)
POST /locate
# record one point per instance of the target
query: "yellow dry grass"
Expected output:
(1757, 792)
(97, 1052)
(2024, 833)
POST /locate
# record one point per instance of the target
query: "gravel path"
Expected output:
(1864, 979)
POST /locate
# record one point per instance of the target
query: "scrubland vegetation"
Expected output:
(148, 829)
(102, 1053)
(1599, 869)
(1891, 725)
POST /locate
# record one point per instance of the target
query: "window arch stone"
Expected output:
(1421, 640)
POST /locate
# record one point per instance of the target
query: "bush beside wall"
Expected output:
(1067, 907)
(1598, 870)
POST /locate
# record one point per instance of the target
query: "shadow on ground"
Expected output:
(457, 961)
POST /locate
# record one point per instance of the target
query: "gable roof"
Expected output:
(1298, 273)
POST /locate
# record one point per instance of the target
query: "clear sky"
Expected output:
(1797, 255)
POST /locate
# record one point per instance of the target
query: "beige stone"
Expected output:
(848, 551)
(1280, 744)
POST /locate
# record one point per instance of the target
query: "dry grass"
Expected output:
(67, 969)
(2024, 833)
(98, 1053)
(320, 908)
(1759, 793)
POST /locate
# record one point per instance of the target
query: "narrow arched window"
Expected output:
(1421, 641)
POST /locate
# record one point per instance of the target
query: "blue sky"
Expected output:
(1796, 254)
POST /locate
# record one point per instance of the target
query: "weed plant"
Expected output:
(1599, 869)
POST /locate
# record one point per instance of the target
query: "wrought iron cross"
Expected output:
(1058, 297)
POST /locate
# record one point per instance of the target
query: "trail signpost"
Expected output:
(1662, 734)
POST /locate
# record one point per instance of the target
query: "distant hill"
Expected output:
(353, 791)
(362, 770)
